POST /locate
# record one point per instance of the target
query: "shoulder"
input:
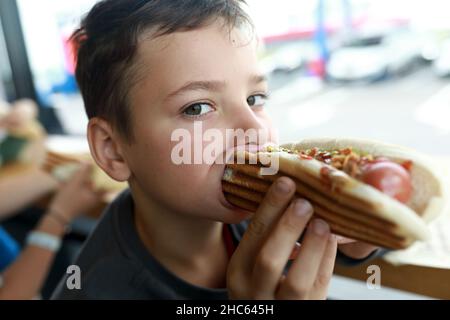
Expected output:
(110, 277)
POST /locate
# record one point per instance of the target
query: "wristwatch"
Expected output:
(44, 240)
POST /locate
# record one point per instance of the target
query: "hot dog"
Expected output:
(365, 190)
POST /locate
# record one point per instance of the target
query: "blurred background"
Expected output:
(368, 68)
(363, 68)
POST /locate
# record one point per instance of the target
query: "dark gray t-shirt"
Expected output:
(115, 264)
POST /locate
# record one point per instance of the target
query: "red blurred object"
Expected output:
(317, 68)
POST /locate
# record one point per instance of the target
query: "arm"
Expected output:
(19, 191)
(24, 278)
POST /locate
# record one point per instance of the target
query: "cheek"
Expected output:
(186, 188)
(165, 181)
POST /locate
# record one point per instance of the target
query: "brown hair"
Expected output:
(107, 40)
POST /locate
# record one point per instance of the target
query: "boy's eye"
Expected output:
(258, 100)
(197, 110)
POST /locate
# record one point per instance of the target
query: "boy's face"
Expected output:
(207, 75)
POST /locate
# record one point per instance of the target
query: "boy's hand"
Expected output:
(256, 270)
(11, 121)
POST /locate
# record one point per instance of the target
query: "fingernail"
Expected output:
(320, 227)
(283, 187)
(302, 208)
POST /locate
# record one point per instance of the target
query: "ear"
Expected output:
(106, 150)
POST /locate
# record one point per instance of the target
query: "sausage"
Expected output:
(390, 178)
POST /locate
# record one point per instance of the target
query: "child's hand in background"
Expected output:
(21, 113)
(256, 270)
(77, 196)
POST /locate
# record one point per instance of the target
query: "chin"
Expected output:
(217, 207)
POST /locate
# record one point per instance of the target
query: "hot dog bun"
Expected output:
(352, 208)
(429, 193)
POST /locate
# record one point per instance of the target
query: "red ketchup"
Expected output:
(390, 178)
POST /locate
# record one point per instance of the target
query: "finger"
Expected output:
(303, 272)
(344, 240)
(278, 247)
(273, 205)
(326, 269)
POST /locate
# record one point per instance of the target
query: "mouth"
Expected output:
(229, 154)
(222, 198)
(224, 171)
(226, 203)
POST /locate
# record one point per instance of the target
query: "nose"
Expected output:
(254, 128)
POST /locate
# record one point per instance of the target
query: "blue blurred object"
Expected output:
(9, 249)
(69, 86)
(321, 32)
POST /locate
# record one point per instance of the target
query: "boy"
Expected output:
(147, 68)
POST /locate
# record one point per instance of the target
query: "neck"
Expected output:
(192, 248)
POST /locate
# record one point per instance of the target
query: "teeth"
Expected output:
(228, 175)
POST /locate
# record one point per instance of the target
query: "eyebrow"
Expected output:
(198, 85)
(257, 79)
(211, 85)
